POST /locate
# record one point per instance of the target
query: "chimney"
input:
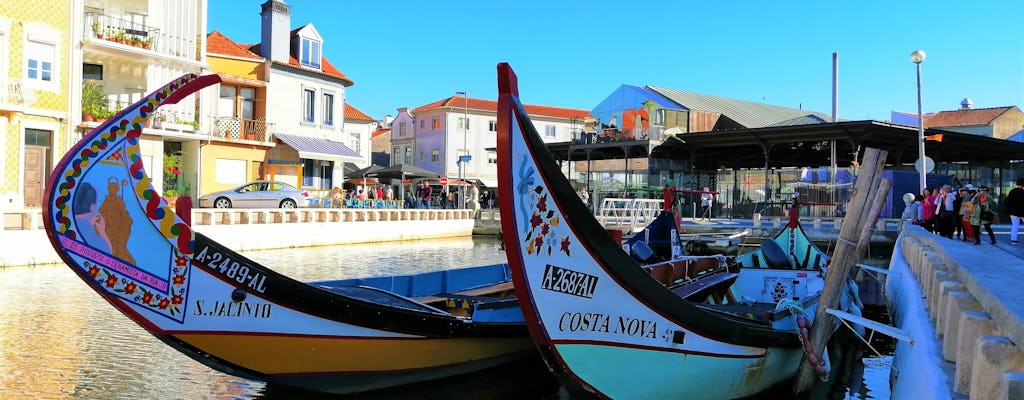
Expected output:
(966, 104)
(274, 34)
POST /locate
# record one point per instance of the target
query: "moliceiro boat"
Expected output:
(681, 327)
(236, 316)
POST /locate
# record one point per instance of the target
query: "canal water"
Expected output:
(59, 340)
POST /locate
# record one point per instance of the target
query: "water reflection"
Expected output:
(59, 339)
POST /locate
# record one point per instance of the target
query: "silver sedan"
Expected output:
(270, 194)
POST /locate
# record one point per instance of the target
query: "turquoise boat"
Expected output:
(709, 327)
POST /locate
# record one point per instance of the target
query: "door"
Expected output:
(35, 174)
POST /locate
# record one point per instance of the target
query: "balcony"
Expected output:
(11, 92)
(613, 135)
(113, 31)
(235, 128)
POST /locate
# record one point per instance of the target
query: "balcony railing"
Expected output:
(10, 91)
(117, 30)
(235, 128)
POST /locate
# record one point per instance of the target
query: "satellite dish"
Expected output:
(929, 165)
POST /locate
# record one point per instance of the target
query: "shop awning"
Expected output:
(488, 182)
(318, 149)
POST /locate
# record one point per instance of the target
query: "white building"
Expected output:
(435, 136)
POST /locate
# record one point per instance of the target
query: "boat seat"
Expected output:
(702, 287)
(774, 256)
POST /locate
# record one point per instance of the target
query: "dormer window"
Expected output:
(309, 53)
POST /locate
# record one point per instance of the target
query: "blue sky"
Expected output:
(574, 54)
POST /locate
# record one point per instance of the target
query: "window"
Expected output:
(401, 128)
(92, 71)
(39, 61)
(549, 130)
(421, 156)
(355, 139)
(395, 150)
(492, 157)
(435, 156)
(408, 155)
(308, 105)
(229, 171)
(422, 123)
(248, 96)
(492, 126)
(310, 53)
(463, 123)
(435, 123)
(329, 109)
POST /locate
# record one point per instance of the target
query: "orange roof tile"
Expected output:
(978, 116)
(354, 113)
(379, 132)
(326, 68)
(217, 43)
(491, 105)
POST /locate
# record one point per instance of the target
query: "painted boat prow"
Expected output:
(604, 326)
(216, 305)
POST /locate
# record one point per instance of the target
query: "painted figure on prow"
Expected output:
(118, 222)
(92, 227)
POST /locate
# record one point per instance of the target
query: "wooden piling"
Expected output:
(872, 166)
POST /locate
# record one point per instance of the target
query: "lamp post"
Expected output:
(465, 147)
(917, 57)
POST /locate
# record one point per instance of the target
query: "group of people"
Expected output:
(963, 213)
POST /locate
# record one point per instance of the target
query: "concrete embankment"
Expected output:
(976, 309)
(251, 229)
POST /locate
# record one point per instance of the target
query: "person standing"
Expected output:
(427, 195)
(983, 206)
(912, 209)
(1015, 207)
(967, 215)
(928, 210)
(389, 193)
(958, 226)
(707, 200)
(944, 212)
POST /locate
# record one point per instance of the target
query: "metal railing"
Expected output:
(613, 135)
(11, 92)
(116, 30)
(242, 129)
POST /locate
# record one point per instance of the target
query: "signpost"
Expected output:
(444, 181)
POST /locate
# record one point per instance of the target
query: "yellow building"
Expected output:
(36, 64)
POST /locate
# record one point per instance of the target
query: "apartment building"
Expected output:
(36, 112)
(456, 136)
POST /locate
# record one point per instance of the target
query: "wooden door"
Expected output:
(35, 174)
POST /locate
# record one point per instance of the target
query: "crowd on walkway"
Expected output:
(966, 213)
(418, 196)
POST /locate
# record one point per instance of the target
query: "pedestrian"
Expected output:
(912, 209)
(944, 212)
(706, 201)
(983, 206)
(958, 227)
(967, 212)
(1015, 207)
(491, 198)
(389, 193)
(928, 210)
(427, 195)
(474, 198)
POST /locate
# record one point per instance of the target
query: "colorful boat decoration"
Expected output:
(686, 327)
(236, 316)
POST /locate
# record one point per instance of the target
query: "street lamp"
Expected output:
(465, 147)
(917, 57)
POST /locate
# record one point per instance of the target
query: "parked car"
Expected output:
(255, 194)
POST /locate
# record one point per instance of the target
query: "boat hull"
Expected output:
(603, 323)
(115, 232)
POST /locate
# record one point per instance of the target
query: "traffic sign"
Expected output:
(444, 181)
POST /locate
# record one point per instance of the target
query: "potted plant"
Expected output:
(93, 100)
(147, 43)
(96, 28)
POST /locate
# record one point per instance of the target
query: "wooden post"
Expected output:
(843, 259)
(869, 225)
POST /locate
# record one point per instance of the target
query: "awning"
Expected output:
(488, 182)
(318, 149)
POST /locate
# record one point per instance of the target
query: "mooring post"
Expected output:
(843, 258)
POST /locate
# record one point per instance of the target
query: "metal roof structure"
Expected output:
(746, 113)
(800, 146)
